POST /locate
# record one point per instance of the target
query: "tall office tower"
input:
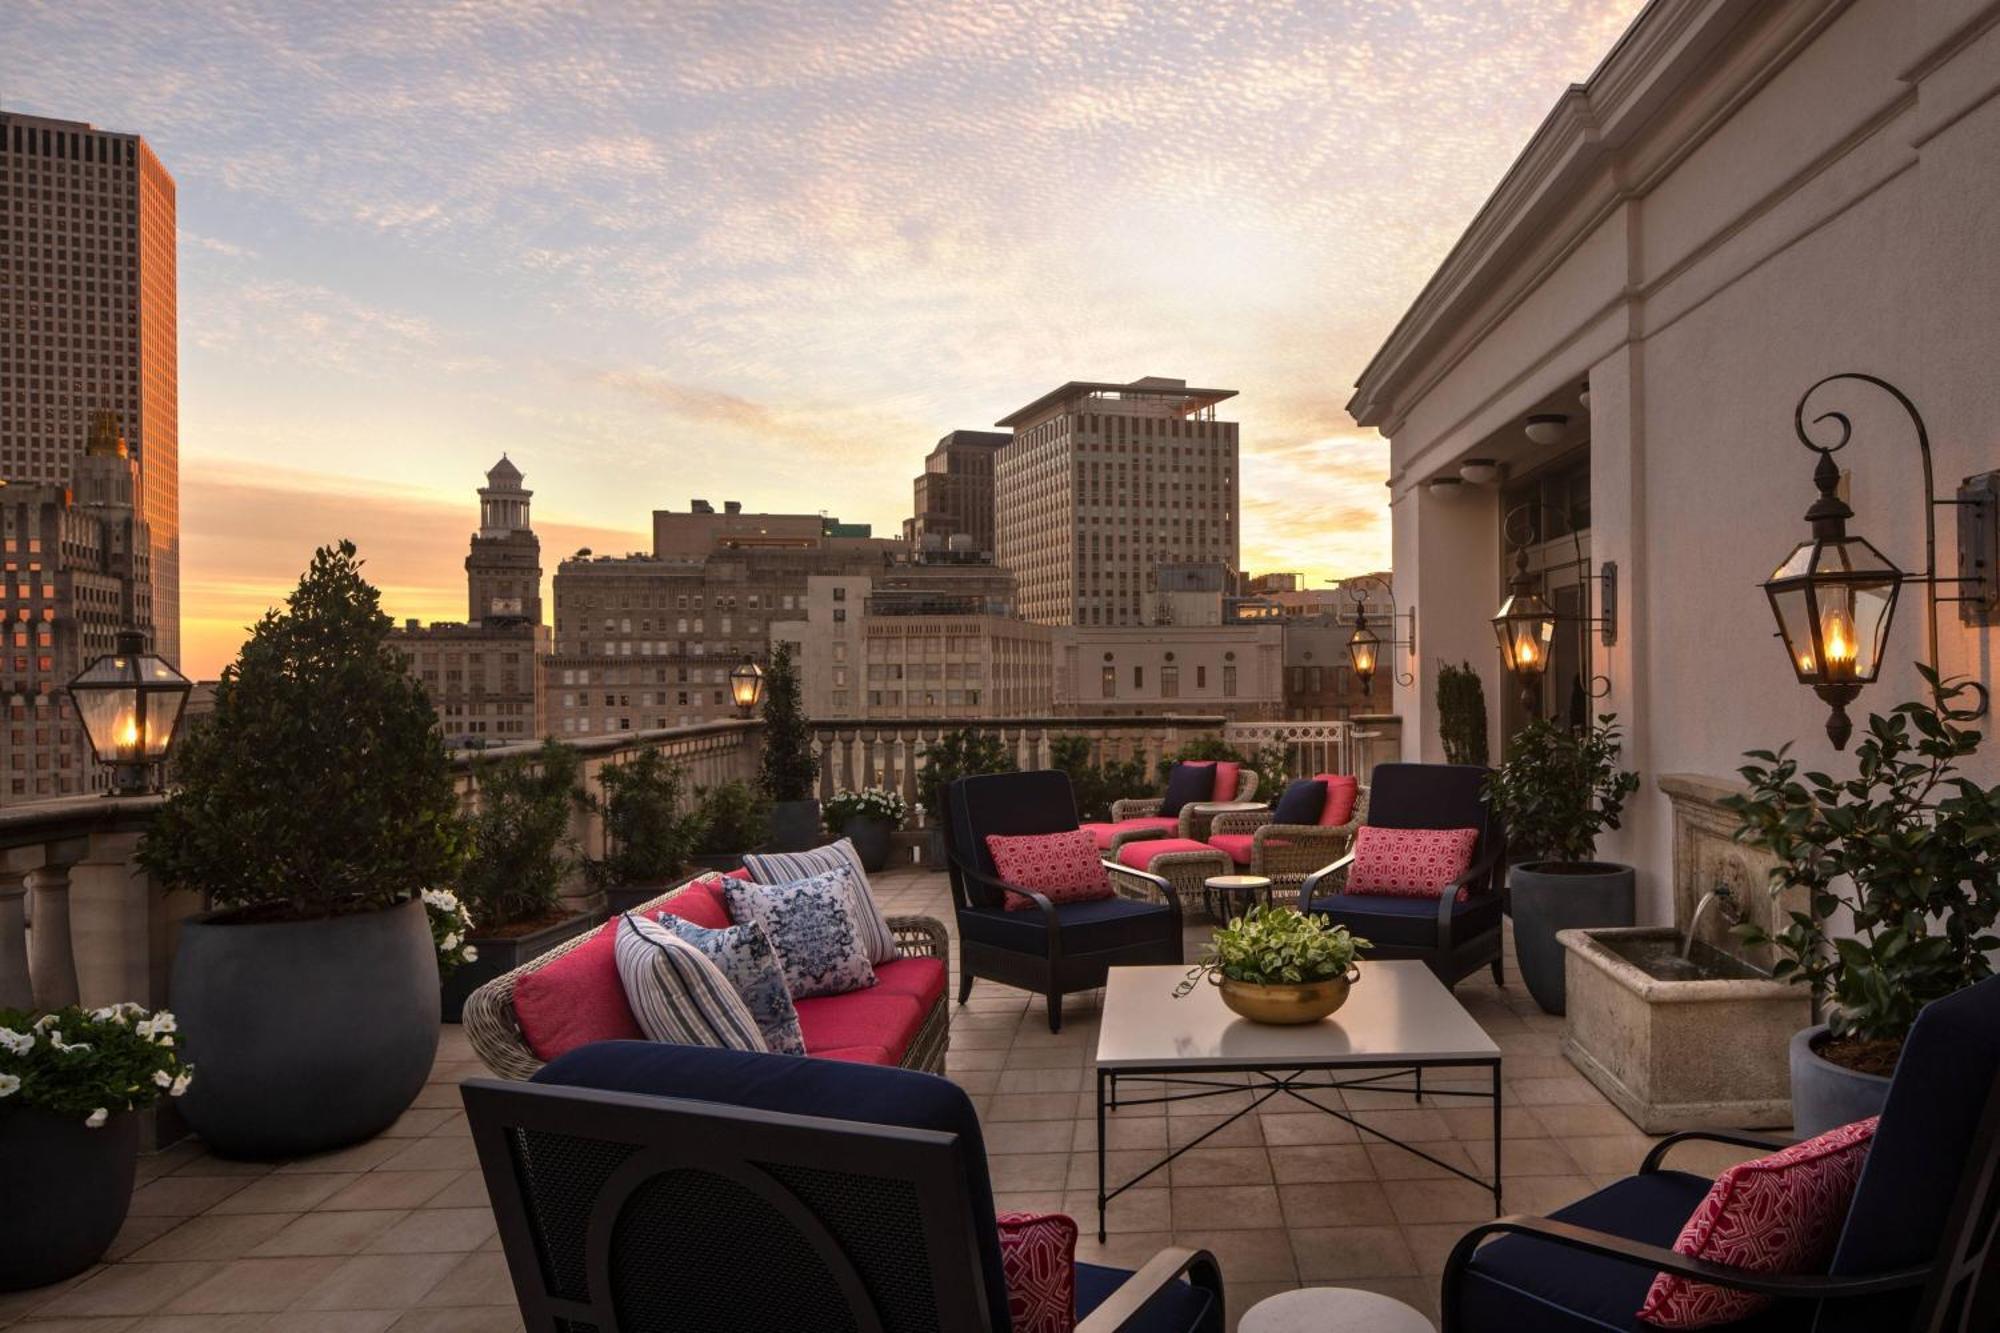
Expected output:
(1104, 483)
(954, 493)
(503, 572)
(88, 322)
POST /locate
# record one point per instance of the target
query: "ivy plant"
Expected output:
(1281, 946)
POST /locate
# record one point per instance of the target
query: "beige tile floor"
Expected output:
(396, 1233)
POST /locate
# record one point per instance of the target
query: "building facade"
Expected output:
(1104, 483)
(953, 495)
(88, 322)
(1234, 671)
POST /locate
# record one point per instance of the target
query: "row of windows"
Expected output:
(1170, 680)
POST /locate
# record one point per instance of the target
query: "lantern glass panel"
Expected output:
(1834, 601)
(746, 684)
(1363, 648)
(1525, 628)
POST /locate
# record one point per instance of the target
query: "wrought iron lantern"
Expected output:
(1364, 646)
(1525, 625)
(130, 702)
(746, 686)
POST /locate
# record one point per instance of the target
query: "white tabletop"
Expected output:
(1398, 1010)
(1332, 1310)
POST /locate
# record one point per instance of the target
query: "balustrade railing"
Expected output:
(1351, 745)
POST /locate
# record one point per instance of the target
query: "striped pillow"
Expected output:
(677, 994)
(790, 867)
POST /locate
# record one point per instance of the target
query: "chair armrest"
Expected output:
(1665, 1145)
(920, 936)
(1198, 819)
(1336, 872)
(1135, 807)
(1240, 821)
(1120, 1309)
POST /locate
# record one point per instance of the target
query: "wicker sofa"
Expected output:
(492, 1027)
(1286, 852)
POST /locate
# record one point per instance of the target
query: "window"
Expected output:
(1138, 678)
(840, 615)
(1229, 681)
(1200, 677)
(1110, 682)
(1170, 682)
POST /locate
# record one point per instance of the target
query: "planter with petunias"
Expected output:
(868, 818)
(72, 1082)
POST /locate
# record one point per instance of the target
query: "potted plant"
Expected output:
(1909, 849)
(1556, 793)
(72, 1083)
(956, 754)
(787, 773)
(730, 819)
(522, 851)
(867, 818)
(1461, 704)
(1280, 965)
(312, 808)
(1097, 784)
(647, 836)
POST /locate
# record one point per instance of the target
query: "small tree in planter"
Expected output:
(1557, 793)
(648, 835)
(730, 819)
(867, 818)
(1097, 785)
(787, 772)
(1909, 848)
(954, 755)
(312, 808)
(1461, 702)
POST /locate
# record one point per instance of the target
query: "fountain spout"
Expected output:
(1721, 894)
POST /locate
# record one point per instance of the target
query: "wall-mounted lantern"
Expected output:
(746, 686)
(1525, 624)
(130, 702)
(1364, 646)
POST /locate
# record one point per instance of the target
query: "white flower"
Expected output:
(161, 1078)
(450, 942)
(9, 1084)
(96, 1119)
(16, 1043)
(470, 955)
(45, 1022)
(164, 1021)
(168, 1042)
(55, 1040)
(180, 1084)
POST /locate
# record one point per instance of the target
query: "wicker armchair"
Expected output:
(496, 1037)
(1195, 815)
(1289, 852)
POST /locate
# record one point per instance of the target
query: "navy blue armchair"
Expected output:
(1455, 939)
(1918, 1249)
(1056, 948)
(649, 1186)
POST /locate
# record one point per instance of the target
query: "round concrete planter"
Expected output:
(68, 1189)
(871, 841)
(307, 1035)
(1551, 896)
(1826, 1095)
(794, 826)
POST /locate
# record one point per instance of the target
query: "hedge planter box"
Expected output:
(500, 954)
(1549, 897)
(68, 1188)
(1826, 1095)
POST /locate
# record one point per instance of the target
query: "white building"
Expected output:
(1234, 671)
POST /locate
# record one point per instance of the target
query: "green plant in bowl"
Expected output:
(1280, 965)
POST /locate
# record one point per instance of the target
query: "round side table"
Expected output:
(1332, 1310)
(1227, 887)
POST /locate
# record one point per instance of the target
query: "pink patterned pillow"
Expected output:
(1778, 1214)
(1063, 867)
(1410, 862)
(1038, 1259)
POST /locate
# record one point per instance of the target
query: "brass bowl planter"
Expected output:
(1307, 1002)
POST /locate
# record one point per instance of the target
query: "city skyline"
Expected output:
(771, 255)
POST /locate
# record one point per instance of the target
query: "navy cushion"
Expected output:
(1107, 923)
(1185, 783)
(1179, 1308)
(1303, 802)
(870, 1094)
(1408, 922)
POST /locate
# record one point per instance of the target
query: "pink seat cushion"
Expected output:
(922, 979)
(1063, 867)
(1777, 1214)
(1104, 833)
(860, 1055)
(1139, 855)
(1227, 776)
(1239, 845)
(1410, 862)
(1341, 792)
(1038, 1259)
(860, 1018)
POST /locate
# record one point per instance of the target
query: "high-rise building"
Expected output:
(88, 322)
(953, 495)
(1101, 485)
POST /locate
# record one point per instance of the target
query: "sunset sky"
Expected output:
(771, 252)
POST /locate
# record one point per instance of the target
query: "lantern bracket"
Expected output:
(1357, 590)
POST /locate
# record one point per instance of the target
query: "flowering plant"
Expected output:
(450, 925)
(868, 803)
(87, 1063)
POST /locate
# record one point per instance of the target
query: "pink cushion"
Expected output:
(1239, 846)
(1341, 792)
(1777, 1214)
(922, 979)
(699, 902)
(1227, 775)
(1410, 862)
(1063, 867)
(741, 872)
(1139, 855)
(1038, 1259)
(859, 1018)
(1104, 833)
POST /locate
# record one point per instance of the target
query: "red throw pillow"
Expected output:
(699, 902)
(1341, 792)
(1038, 1259)
(1410, 862)
(575, 1000)
(1063, 867)
(1778, 1214)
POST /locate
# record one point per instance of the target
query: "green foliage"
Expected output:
(1908, 846)
(788, 772)
(648, 835)
(1280, 946)
(85, 1064)
(1561, 789)
(729, 818)
(1461, 705)
(522, 848)
(320, 781)
(958, 754)
(1268, 761)
(1098, 784)
(868, 803)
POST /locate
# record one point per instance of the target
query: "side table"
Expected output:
(1332, 1310)
(1226, 887)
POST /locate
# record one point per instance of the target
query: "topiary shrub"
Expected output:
(1461, 705)
(522, 847)
(787, 771)
(730, 818)
(648, 835)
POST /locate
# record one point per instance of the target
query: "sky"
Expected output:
(771, 252)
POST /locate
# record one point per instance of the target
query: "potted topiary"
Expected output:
(867, 818)
(961, 753)
(787, 772)
(72, 1083)
(1461, 704)
(521, 853)
(1280, 965)
(647, 835)
(1556, 793)
(730, 819)
(1909, 849)
(312, 808)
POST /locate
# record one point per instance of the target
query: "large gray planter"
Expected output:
(870, 837)
(1826, 1095)
(68, 1188)
(1553, 896)
(305, 1035)
(795, 826)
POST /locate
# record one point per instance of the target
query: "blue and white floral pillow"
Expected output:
(812, 923)
(744, 955)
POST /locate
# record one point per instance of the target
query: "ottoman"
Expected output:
(1182, 862)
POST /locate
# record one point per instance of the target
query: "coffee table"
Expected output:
(1398, 1021)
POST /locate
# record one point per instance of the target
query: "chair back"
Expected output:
(1931, 1185)
(1434, 796)
(646, 1185)
(1008, 804)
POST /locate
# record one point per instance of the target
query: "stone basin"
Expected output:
(1679, 1046)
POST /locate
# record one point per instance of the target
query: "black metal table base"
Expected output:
(1290, 1081)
